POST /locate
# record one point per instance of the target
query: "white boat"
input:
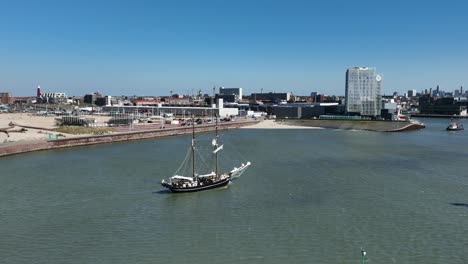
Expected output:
(454, 126)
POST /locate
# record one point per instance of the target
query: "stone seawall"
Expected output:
(23, 147)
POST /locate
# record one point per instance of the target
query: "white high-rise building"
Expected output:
(363, 91)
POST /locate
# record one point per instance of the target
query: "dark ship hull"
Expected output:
(455, 129)
(205, 186)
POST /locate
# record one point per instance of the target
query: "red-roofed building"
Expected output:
(6, 98)
(146, 102)
(24, 100)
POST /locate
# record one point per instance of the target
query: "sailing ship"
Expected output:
(200, 182)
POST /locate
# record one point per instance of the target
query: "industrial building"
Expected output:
(271, 97)
(52, 98)
(236, 92)
(314, 110)
(430, 105)
(229, 98)
(176, 110)
(94, 98)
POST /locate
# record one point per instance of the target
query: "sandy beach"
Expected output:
(44, 124)
(272, 124)
(23, 119)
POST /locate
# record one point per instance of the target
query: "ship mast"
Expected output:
(193, 149)
(216, 147)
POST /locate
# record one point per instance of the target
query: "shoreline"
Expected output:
(40, 133)
(25, 132)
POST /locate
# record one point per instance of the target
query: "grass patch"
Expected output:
(79, 130)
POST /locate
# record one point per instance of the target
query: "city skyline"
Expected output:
(147, 48)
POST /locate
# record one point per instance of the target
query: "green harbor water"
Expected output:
(310, 196)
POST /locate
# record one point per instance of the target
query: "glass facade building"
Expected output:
(231, 91)
(363, 92)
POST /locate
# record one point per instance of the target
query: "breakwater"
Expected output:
(23, 147)
(379, 126)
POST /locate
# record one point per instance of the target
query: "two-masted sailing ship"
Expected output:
(200, 182)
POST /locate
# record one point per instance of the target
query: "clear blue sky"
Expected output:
(152, 47)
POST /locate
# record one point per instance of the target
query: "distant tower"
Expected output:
(461, 90)
(38, 91)
(214, 92)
